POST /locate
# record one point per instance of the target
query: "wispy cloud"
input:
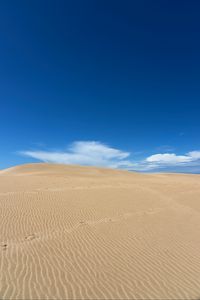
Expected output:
(93, 153)
(168, 158)
(90, 153)
(170, 161)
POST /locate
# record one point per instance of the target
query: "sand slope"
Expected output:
(69, 232)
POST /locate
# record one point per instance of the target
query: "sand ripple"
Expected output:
(88, 233)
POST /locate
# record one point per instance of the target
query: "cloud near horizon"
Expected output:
(94, 153)
(90, 153)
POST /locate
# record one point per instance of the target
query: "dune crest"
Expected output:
(71, 232)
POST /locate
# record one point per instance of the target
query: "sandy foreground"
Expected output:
(70, 232)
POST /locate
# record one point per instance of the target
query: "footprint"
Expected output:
(108, 220)
(82, 222)
(4, 246)
(30, 237)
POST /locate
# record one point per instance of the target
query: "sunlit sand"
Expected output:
(70, 232)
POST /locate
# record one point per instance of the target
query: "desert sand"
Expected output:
(70, 232)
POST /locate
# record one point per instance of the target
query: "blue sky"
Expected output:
(109, 83)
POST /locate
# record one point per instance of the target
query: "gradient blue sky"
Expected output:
(111, 83)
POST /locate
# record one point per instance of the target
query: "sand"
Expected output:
(70, 232)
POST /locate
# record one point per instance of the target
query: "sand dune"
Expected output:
(69, 232)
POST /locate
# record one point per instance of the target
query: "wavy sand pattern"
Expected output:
(70, 232)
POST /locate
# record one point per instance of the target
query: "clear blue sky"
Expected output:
(116, 75)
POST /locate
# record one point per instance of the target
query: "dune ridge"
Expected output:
(72, 232)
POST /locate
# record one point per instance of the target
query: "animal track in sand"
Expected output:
(30, 237)
(4, 246)
(83, 223)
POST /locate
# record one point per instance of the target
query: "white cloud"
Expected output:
(84, 153)
(168, 158)
(194, 155)
(189, 162)
(93, 153)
